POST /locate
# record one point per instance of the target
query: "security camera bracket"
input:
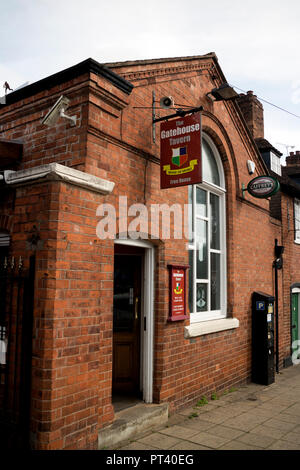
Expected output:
(71, 118)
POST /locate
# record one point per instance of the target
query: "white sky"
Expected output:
(257, 43)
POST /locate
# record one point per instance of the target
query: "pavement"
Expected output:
(250, 417)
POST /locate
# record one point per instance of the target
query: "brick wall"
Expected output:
(41, 144)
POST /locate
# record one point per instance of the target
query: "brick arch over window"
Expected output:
(229, 177)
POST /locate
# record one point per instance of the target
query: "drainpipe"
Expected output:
(277, 265)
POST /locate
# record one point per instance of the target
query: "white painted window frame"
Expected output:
(297, 220)
(211, 314)
(275, 163)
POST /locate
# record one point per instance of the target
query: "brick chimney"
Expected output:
(253, 113)
(293, 159)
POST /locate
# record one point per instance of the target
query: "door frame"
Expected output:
(295, 289)
(147, 315)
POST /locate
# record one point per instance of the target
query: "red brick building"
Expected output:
(100, 307)
(284, 207)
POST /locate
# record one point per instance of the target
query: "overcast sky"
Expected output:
(257, 43)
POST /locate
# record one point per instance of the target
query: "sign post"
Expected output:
(180, 151)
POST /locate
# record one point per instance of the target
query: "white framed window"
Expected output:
(297, 220)
(275, 163)
(207, 239)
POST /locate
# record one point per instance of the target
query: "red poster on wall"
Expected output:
(177, 295)
(180, 151)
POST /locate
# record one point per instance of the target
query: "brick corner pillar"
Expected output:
(72, 351)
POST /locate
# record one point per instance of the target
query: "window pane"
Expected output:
(191, 280)
(201, 299)
(275, 163)
(215, 222)
(209, 165)
(201, 248)
(215, 281)
(201, 202)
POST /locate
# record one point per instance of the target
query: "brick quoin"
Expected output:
(73, 299)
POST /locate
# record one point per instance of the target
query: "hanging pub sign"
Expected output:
(177, 292)
(180, 151)
(263, 186)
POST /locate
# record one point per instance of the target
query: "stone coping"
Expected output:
(56, 171)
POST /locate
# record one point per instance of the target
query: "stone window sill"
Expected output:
(213, 326)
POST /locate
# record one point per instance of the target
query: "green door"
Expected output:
(295, 323)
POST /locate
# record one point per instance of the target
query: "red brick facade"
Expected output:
(72, 333)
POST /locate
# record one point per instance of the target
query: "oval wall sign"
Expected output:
(263, 186)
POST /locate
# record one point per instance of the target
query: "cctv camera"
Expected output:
(57, 111)
(166, 102)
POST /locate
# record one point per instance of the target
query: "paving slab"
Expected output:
(237, 409)
(284, 445)
(186, 445)
(256, 440)
(158, 440)
(267, 431)
(179, 431)
(208, 440)
(269, 405)
(237, 445)
(216, 417)
(188, 411)
(263, 397)
(267, 412)
(279, 424)
(293, 410)
(198, 424)
(289, 418)
(176, 419)
(245, 422)
(224, 431)
(292, 437)
(283, 400)
(138, 446)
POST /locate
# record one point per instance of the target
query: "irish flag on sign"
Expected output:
(179, 156)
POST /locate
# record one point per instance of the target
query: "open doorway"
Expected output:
(132, 323)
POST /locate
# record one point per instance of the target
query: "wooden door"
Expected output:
(126, 323)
